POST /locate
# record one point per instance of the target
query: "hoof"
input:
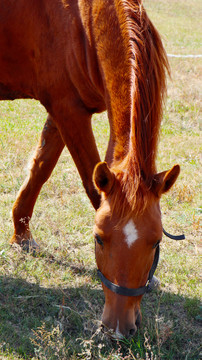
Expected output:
(27, 243)
(30, 245)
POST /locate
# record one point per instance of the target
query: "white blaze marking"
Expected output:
(130, 233)
(118, 335)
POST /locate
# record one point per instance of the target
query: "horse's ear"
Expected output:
(163, 181)
(103, 178)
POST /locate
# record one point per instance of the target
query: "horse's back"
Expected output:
(45, 52)
(26, 42)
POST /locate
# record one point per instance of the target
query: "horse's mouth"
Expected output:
(117, 335)
(114, 335)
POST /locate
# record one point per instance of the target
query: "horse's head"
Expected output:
(126, 244)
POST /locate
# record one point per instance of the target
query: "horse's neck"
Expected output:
(133, 63)
(113, 55)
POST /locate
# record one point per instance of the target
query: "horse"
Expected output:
(80, 57)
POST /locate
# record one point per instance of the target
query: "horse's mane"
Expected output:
(148, 86)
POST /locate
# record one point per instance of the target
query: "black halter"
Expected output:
(174, 237)
(141, 290)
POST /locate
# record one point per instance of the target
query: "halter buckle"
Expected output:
(147, 283)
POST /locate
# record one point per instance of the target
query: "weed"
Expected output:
(49, 344)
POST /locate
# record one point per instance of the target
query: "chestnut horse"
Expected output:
(78, 57)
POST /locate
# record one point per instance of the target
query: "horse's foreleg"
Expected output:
(45, 158)
(79, 138)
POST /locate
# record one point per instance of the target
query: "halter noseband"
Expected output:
(141, 290)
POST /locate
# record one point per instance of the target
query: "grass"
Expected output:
(51, 303)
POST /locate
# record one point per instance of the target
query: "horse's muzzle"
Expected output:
(130, 329)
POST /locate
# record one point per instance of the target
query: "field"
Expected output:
(51, 302)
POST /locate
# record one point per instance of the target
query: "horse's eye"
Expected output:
(156, 244)
(98, 239)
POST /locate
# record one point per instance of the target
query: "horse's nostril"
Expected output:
(138, 320)
(132, 331)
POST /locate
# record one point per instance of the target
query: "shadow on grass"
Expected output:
(29, 313)
(24, 307)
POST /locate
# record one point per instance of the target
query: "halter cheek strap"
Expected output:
(141, 290)
(173, 237)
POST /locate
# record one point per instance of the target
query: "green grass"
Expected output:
(51, 303)
(178, 22)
